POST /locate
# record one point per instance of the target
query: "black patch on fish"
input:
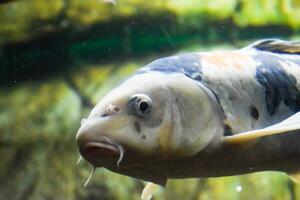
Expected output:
(228, 130)
(279, 85)
(188, 64)
(254, 112)
(104, 115)
(137, 127)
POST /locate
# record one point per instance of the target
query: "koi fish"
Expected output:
(207, 114)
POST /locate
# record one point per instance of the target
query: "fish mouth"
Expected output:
(102, 148)
(102, 152)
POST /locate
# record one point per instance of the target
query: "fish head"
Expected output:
(151, 117)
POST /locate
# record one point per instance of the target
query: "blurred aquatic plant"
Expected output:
(35, 135)
(259, 12)
(25, 18)
(63, 33)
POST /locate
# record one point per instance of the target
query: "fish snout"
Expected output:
(86, 132)
(95, 147)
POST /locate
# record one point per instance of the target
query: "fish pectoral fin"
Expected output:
(295, 177)
(148, 191)
(286, 126)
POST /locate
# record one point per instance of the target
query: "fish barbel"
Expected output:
(206, 114)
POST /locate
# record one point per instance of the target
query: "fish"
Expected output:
(201, 115)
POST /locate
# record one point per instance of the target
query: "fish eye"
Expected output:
(140, 105)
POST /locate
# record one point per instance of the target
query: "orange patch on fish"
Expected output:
(227, 59)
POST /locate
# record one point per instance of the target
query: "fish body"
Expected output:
(206, 114)
(255, 88)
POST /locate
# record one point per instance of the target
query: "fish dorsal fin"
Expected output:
(277, 46)
(286, 126)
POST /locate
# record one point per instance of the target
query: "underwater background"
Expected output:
(58, 58)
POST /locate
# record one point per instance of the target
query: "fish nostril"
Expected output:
(117, 109)
(112, 109)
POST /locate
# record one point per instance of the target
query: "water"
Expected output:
(58, 58)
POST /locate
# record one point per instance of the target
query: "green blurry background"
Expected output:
(59, 57)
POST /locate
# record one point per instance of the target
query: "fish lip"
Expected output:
(101, 144)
